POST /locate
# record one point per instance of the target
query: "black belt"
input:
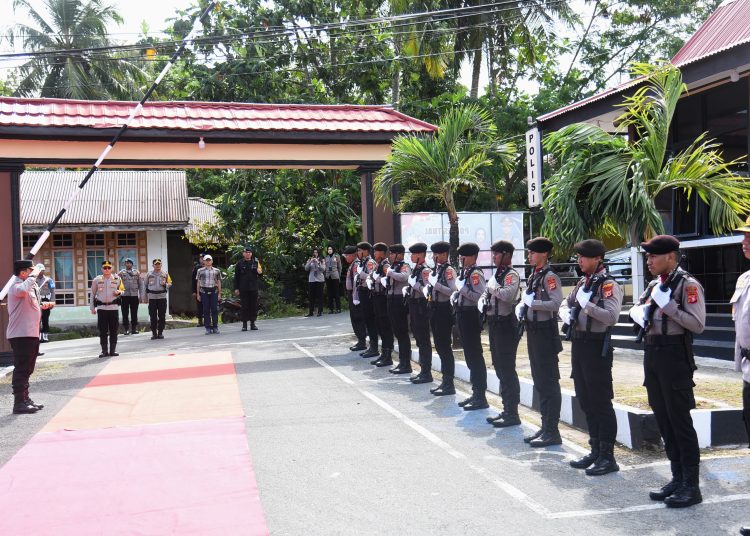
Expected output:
(208, 290)
(588, 335)
(664, 340)
(539, 325)
(155, 291)
(467, 308)
(500, 318)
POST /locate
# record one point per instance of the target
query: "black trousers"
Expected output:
(419, 318)
(198, 310)
(441, 324)
(25, 352)
(669, 384)
(249, 301)
(334, 296)
(398, 314)
(315, 291)
(368, 314)
(107, 322)
(380, 307)
(746, 408)
(129, 305)
(356, 318)
(45, 320)
(503, 334)
(470, 329)
(544, 344)
(157, 313)
(592, 379)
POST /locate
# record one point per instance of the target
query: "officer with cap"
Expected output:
(397, 276)
(157, 284)
(46, 287)
(441, 286)
(246, 274)
(588, 314)
(419, 314)
(194, 289)
(367, 266)
(106, 289)
(538, 310)
(499, 301)
(352, 296)
(470, 287)
(380, 304)
(670, 311)
(131, 297)
(209, 290)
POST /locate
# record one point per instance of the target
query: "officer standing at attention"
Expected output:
(194, 289)
(442, 285)
(419, 314)
(352, 296)
(538, 309)
(670, 311)
(131, 297)
(397, 276)
(500, 299)
(366, 267)
(588, 314)
(209, 290)
(157, 284)
(106, 289)
(470, 286)
(380, 304)
(246, 274)
(333, 278)
(46, 287)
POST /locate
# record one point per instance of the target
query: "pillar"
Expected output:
(10, 226)
(379, 224)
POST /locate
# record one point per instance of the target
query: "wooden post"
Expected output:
(10, 226)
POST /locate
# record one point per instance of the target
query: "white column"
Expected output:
(156, 248)
(636, 263)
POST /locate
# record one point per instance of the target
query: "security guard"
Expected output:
(588, 314)
(538, 310)
(131, 297)
(397, 277)
(442, 285)
(157, 284)
(246, 274)
(380, 304)
(419, 314)
(471, 285)
(46, 287)
(500, 299)
(669, 312)
(106, 289)
(352, 296)
(209, 290)
(366, 267)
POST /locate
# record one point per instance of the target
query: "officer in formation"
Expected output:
(131, 296)
(588, 314)
(352, 296)
(367, 267)
(157, 284)
(46, 287)
(106, 289)
(670, 311)
(209, 290)
(194, 289)
(246, 274)
(376, 284)
(470, 287)
(419, 314)
(441, 284)
(396, 284)
(499, 300)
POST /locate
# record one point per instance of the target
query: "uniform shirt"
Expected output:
(445, 286)
(474, 287)
(24, 311)
(547, 297)
(398, 278)
(686, 310)
(367, 266)
(316, 270)
(503, 297)
(103, 289)
(46, 287)
(157, 284)
(741, 313)
(420, 275)
(131, 280)
(246, 275)
(602, 310)
(208, 277)
(377, 286)
(333, 266)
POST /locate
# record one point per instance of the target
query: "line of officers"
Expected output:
(387, 295)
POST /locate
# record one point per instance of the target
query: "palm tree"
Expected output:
(72, 28)
(438, 166)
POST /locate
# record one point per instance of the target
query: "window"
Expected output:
(64, 279)
(29, 240)
(127, 239)
(126, 253)
(64, 240)
(94, 260)
(95, 239)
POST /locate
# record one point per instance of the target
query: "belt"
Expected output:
(155, 291)
(745, 352)
(208, 290)
(500, 318)
(541, 324)
(664, 340)
(588, 335)
(467, 308)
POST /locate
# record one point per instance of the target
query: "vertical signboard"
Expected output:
(534, 167)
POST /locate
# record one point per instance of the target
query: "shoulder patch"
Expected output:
(509, 279)
(551, 282)
(608, 289)
(692, 293)
(475, 278)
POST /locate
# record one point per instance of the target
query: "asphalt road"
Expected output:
(340, 447)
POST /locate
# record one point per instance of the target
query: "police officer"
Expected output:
(352, 296)
(157, 284)
(106, 289)
(209, 290)
(471, 285)
(538, 310)
(670, 311)
(46, 287)
(246, 274)
(419, 314)
(131, 297)
(442, 285)
(397, 276)
(333, 277)
(366, 267)
(500, 299)
(194, 289)
(588, 314)
(380, 304)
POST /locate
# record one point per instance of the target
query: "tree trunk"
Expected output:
(475, 72)
(396, 87)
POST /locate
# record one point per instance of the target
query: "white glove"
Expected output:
(454, 298)
(432, 279)
(527, 298)
(356, 302)
(360, 268)
(661, 297)
(519, 310)
(426, 292)
(376, 276)
(564, 314)
(413, 281)
(369, 284)
(384, 281)
(356, 278)
(583, 297)
(405, 292)
(638, 314)
(480, 304)
(460, 283)
(492, 283)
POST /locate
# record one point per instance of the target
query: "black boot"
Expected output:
(532, 437)
(20, 405)
(507, 418)
(244, 326)
(477, 402)
(253, 327)
(372, 351)
(605, 463)
(466, 401)
(403, 367)
(385, 358)
(550, 436)
(670, 487)
(689, 492)
(422, 377)
(361, 345)
(31, 402)
(153, 333)
(112, 352)
(446, 388)
(585, 461)
(745, 531)
(105, 352)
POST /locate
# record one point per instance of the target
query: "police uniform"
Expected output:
(441, 317)
(668, 368)
(588, 314)
(380, 307)
(209, 289)
(471, 286)
(131, 297)
(355, 307)
(501, 297)
(419, 316)
(544, 296)
(105, 302)
(333, 278)
(46, 287)
(397, 277)
(367, 266)
(246, 274)
(157, 284)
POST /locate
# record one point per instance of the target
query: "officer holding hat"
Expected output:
(397, 276)
(352, 296)
(131, 297)
(419, 314)
(367, 266)
(157, 285)
(380, 304)
(670, 311)
(46, 287)
(246, 274)
(441, 286)
(106, 289)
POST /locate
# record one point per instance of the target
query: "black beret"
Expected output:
(590, 248)
(419, 247)
(248, 247)
(364, 245)
(440, 247)
(21, 264)
(350, 250)
(540, 244)
(468, 249)
(503, 246)
(661, 244)
(379, 246)
(397, 248)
